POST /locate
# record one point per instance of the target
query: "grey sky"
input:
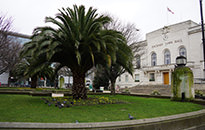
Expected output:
(147, 15)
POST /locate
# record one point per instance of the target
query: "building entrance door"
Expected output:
(166, 78)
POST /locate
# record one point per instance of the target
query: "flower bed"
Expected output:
(66, 102)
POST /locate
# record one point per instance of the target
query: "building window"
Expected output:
(138, 62)
(151, 77)
(126, 78)
(137, 76)
(119, 79)
(153, 59)
(182, 51)
(167, 57)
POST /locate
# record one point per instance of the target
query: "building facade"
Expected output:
(162, 46)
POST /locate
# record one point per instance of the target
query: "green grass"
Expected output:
(33, 89)
(24, 108)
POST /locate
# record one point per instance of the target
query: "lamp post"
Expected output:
(182, 81)
(181, 61)
(202, 30)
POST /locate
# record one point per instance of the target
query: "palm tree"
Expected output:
(30, 68)
(34, 70)
(124, 55)
(34, 64)
(124, 58)
(100, 78)
(79, 42)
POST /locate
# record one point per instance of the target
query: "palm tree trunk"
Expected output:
(112, 87)
(9, 81)
(56, 82)
(33, 82)
(79, 90)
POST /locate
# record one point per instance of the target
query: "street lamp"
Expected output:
(202, 32)
(181, 61)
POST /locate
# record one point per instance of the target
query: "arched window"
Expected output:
(154, 59)
(167, 57)
(182, 51)
(138, 62)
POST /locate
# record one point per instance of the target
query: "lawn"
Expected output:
(33, 89)
(24, 108)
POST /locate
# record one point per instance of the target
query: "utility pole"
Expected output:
(202, 30)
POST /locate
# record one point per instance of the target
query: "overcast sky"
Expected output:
(147, 15)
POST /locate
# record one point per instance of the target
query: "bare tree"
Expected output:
(132, 35)
(129, 30)
(9, 46)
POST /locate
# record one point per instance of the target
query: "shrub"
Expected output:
(155, 93)
(198, 93)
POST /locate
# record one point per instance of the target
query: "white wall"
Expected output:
(4, 78)
(186, 34)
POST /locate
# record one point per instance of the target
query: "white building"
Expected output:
(4, 78)
(162, 46)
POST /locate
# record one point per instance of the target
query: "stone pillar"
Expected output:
(182, 84)
(62, 85)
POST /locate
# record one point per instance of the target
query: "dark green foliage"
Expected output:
(100, 78)
(124, 55)
(79, 41)
(33, 68)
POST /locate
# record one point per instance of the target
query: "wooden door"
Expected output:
(166, 78)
